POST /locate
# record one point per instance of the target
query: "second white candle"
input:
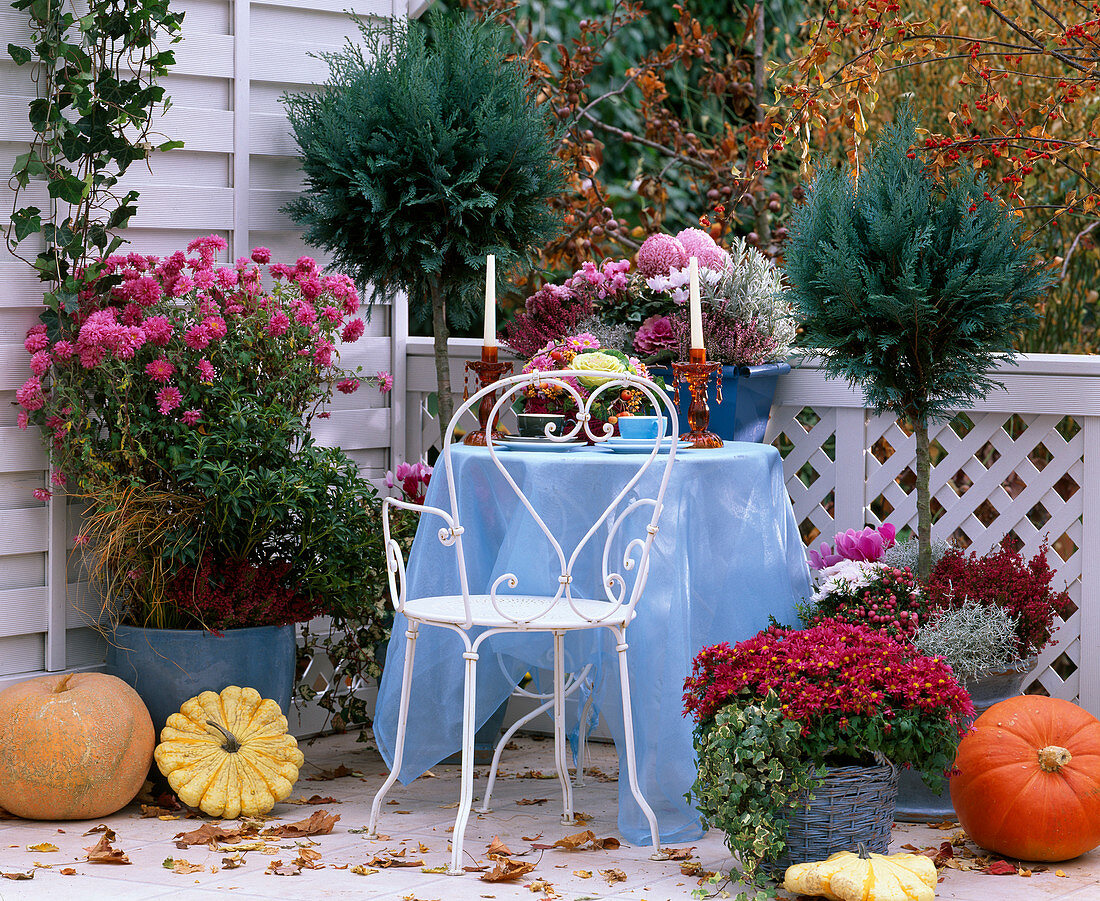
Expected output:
(695, 310)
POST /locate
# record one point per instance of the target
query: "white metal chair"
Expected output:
(477, 616)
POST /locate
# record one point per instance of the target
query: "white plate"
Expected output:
(641, 445)
(542, 445)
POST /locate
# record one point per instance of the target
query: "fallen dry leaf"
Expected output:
(308, 859)
(497, 848)
(67, 871)
(506, 870)
(314, 800)
(442, 868)
(361, 870)
(104, 853)
(583, 874)
(690, 868)
(529, 802)
(19, 876)
(328, 775)
(474, 869)
(1000, 868)
(102, 827)
(319, 822)
(613, 876)
(44, 847)
(1061, 873)
(579, 840)
(393, 859)
(233, 861)
(278, 868)
(678, 853)
(148, 811)
(185, 867)
(946, 825)
(541, 886)
(210, 834)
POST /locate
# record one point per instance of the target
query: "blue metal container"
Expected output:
(747, 394)
(168, 666)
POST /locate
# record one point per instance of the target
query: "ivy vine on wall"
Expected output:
(96, 75)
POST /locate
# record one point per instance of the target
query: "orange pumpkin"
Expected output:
(1028, 784)
(72, 747)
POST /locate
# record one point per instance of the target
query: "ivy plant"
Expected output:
(752, 770)
(96, 73)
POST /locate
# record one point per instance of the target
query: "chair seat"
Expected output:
(589, 614)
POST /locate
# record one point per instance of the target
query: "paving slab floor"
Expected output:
(417, 819)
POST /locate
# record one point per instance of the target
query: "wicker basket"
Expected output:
(854, 804)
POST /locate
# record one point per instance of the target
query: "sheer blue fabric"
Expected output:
(728, 556)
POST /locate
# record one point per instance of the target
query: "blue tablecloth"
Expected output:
(727, 556)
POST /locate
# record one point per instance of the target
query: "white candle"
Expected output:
(695, 309)
(490, 339)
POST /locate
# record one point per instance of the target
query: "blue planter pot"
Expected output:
(747, 393)
(168, 666)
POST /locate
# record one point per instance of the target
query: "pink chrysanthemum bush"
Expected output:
(853, 691)
(176, 398)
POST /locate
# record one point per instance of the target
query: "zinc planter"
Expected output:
(916, 801)
(168, 666)
(747, 394)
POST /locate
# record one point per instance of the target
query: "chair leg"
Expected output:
(402, 722)
(466, 799)
(559, 730)
(507, 737)
(631, 761)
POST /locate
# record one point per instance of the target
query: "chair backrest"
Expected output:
(585, 392)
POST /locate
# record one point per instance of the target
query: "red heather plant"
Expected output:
(234, 594)
(727, 338)
(550, 314)
(1003, 578)
(854, 691)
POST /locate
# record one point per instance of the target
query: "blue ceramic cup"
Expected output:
(639, 427)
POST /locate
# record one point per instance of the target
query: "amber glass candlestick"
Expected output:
(488, 370)
(696, 372)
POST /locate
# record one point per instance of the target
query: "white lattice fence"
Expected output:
(1025, 462)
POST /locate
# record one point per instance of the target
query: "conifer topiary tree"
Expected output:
(425, 151)
(911, 289)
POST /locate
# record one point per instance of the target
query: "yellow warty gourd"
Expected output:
(229, 754)
(865, 877)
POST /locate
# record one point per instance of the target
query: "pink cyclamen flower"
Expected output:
(160, 370)
(659, 255)
(42, 494)
(279, 323)
(866, 545)
(190, 417)
(168, 398)
(353, 331)
(385, 382)
(347, 386)
(261, 255)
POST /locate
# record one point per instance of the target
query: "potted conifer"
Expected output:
(910, 288)
(425, 151)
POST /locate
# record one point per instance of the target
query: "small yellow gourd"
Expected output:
(229, 754)
(865, 877)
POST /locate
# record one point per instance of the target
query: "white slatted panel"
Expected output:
(235, 172)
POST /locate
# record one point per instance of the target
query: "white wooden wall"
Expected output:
(236, 170)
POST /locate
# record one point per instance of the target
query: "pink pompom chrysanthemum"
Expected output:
(168, 398)
(704, 248)
(659, 255)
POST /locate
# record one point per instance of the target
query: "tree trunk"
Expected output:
(924, 500)
(442, 360)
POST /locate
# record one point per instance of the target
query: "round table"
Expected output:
(728, 556)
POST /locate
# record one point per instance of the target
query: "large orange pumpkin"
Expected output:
(72, 747)
(1028, 784)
